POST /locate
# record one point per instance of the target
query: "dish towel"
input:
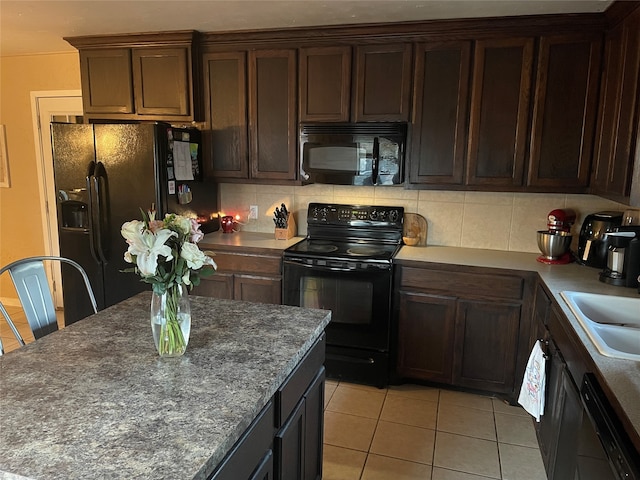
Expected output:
(533, 384)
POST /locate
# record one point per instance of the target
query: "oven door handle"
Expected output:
(322, 268)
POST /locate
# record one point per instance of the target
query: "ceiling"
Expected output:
(37, 26)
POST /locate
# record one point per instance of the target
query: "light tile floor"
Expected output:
(9, 341)
(411, 432)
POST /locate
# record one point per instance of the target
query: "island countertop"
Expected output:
(94, 400)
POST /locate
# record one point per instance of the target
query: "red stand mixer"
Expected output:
(554, 242)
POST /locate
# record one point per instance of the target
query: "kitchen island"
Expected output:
(94, 400)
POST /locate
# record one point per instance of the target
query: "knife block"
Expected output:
(289, 232)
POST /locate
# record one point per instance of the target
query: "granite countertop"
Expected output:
(622, 376)
(246, 240)
(94, 400)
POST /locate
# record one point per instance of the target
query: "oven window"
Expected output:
(350, 301)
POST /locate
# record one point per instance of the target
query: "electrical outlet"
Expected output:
(253, 212)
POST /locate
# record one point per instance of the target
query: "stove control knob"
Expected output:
(394, 216)
(373, 215)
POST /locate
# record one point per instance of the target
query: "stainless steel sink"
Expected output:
(611, 322)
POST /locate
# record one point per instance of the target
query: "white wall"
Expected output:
(497, 221)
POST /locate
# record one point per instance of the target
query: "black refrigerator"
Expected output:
(104, 175)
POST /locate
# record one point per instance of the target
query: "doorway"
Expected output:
(48, 106)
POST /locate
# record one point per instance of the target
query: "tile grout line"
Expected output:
(435, 432)
(495, 429)
(366, 458)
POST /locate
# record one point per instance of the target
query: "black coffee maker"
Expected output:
(623, 257)
(592, 247)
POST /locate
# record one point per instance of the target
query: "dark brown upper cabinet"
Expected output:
(140, 76)
(107, 85)
(440, 112)
(161, 81)
(382, 81)
(376, 89)
(325, 84)
(250, 110)
(564, 111)
(272, 114)
(618, 125)
(499, 114)
(225, 95)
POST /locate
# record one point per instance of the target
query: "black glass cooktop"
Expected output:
(339, 249)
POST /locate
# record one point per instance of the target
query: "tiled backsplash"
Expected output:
(492, 220)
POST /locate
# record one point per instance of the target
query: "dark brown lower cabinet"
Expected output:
(559, 431)
(290, 445)
(486, 345)
(466, 327)
(265, 469)
(314, 428)
(558, 428)
(299, 441)
(247, 457)
(285, 440)
(300, 419)
(244, 275)
(425, 344)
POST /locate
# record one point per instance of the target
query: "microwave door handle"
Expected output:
(375, 158)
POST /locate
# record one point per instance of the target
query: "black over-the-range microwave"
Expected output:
(352, 153)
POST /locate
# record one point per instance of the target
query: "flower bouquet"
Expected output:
(166, 255)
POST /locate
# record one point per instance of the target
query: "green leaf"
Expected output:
(206, 271)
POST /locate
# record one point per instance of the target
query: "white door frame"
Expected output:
(45, 104)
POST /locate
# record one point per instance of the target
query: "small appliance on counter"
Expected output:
(623, 257)
(592, 247)
(554, 242)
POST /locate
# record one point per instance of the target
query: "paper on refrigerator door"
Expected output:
(182, 161)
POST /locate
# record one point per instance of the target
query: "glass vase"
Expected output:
(171, 321)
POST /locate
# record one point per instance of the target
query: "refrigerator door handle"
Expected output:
(98, 180)
(91, 193)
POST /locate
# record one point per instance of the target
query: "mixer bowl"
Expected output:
(553, 244)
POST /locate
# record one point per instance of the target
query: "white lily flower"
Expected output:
(152, 244)
(147, 246)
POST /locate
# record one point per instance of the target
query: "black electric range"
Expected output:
(345, 265)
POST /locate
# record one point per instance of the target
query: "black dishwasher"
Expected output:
(615, 445)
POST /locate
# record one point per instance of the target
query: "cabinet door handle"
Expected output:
(545, 347)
